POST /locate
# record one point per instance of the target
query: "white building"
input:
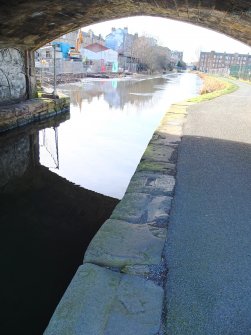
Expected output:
(101, 58)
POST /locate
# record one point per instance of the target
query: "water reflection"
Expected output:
(46, 222)
(110, 126)
(117, 93)
(19, 149)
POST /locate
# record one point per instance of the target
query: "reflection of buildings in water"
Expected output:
(78, 94)
(116, 93)
(19, 149)
(133, 92)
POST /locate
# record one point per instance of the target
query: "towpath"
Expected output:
(209, 236)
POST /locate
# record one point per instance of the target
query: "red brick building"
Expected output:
(220, 60)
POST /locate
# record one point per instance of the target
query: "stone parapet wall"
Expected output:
(119, 289)
(23, 113)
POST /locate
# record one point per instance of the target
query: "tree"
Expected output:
(182, 65)
(150, 54)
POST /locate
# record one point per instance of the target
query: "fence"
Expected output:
(241, 72)
(66, 71)
(223, 71)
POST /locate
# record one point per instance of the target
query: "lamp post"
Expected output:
(54, 72)
(43, 62)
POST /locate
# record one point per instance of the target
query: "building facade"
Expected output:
(98, 58)
(217, 60)
(90, 38)
(121, 41)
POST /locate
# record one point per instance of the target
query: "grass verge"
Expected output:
(213, 87)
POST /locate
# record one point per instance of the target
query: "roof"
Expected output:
(96, 47)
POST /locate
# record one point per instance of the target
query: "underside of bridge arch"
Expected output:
(30, 24)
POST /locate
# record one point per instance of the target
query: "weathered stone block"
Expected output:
(102, 302)
(21, 109)
(137, 309)
(119, 243)
(36, 106)
(158, 210)
(160, 153)
(86, 304)
(171, 129)
(8, 124)
(162, 138)
(132, 208)
(151, 183)
(143, 208)
(157, 167)
(6, 113)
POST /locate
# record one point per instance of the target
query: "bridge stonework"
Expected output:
(17, 75)
(31, 23)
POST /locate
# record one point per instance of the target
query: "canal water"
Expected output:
(110, 125)
(61, 179)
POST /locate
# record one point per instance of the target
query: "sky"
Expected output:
(175, 35)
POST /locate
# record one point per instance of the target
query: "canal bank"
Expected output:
(119, 289)
(125, 266)
(130, 119)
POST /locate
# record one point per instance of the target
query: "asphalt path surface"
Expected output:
(208, 249)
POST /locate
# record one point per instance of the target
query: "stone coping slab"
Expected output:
(160, 137)
(143, 208)
(151, 183)
(159, 153)
(157, 167)
(119, 243)
(99, 301)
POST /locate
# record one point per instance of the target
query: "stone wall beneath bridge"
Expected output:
(17, 75)
(13, 85)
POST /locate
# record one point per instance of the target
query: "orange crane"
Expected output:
(79, 40)
(74, 52)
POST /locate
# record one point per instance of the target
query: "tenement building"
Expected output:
(219, 60)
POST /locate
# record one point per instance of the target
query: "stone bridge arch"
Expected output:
(32, 23)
